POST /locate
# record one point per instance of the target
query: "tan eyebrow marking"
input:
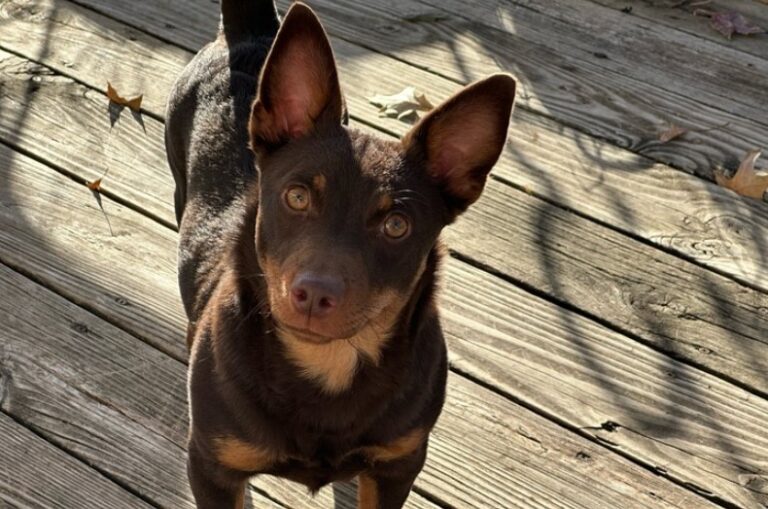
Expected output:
(385, 202)
(319, 182)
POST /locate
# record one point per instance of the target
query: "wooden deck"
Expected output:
(606, 303)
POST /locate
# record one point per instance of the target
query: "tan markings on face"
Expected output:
(385, 202)
(319, 183)
(398, 448)
(239, 455)
(333, 364)
(367, 492)
(276, 286)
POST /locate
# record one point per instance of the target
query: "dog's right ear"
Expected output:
(299, 86)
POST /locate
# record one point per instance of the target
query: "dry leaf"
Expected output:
(95, 185)
(401, 105)
(746, 181)
(732, 22)
(134, 104)
(674, 131)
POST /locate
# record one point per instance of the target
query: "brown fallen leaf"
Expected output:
(95, 188)
(95, 185)
(674, 131)
(746, 181)
(403, 105)
(729, 23)
(134, 104)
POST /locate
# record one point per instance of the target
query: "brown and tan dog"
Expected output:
(307, 261)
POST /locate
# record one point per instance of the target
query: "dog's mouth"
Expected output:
(306, 335)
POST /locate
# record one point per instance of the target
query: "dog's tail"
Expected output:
(241, 19)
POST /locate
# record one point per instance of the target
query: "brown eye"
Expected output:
(297, 198)
(396, 226)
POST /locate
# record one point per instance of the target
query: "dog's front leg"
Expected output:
(214, 486)
(386, 485)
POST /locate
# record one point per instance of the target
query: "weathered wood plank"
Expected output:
(35, 474)
(520, 454)
(679, 16)
(615, 186)
(131, 452)
(687, 424)
(69, 257)
(630, 46)
(559, 78)
(714, 472)
(70, 127)
(682, 309)
(80, 43)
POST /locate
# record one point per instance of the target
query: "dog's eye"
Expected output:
(396, 226)
(297, 197)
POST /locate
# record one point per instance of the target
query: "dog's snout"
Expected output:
(316, 295)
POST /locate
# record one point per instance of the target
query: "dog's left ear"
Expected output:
(299, 86)
(461, 140)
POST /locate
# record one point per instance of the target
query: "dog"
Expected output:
(308, 259)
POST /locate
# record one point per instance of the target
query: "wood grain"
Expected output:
(563, 79)
(681, 17)
(148, 389)
(629, 46)
(68, 254)
(698, 220)
(69, 125)
(685, 311)
(683, 422)
(35, 474)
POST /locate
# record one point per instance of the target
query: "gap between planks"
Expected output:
(53, 477)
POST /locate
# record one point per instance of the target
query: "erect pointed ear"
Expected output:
(299, 86)
(459, 141)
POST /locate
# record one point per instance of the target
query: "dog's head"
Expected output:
(346, 221)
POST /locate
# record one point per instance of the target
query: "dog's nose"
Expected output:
(316, 294)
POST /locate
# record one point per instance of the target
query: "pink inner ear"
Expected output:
(301, 90)
(447, 161)
(293, 116)
(460, 142)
